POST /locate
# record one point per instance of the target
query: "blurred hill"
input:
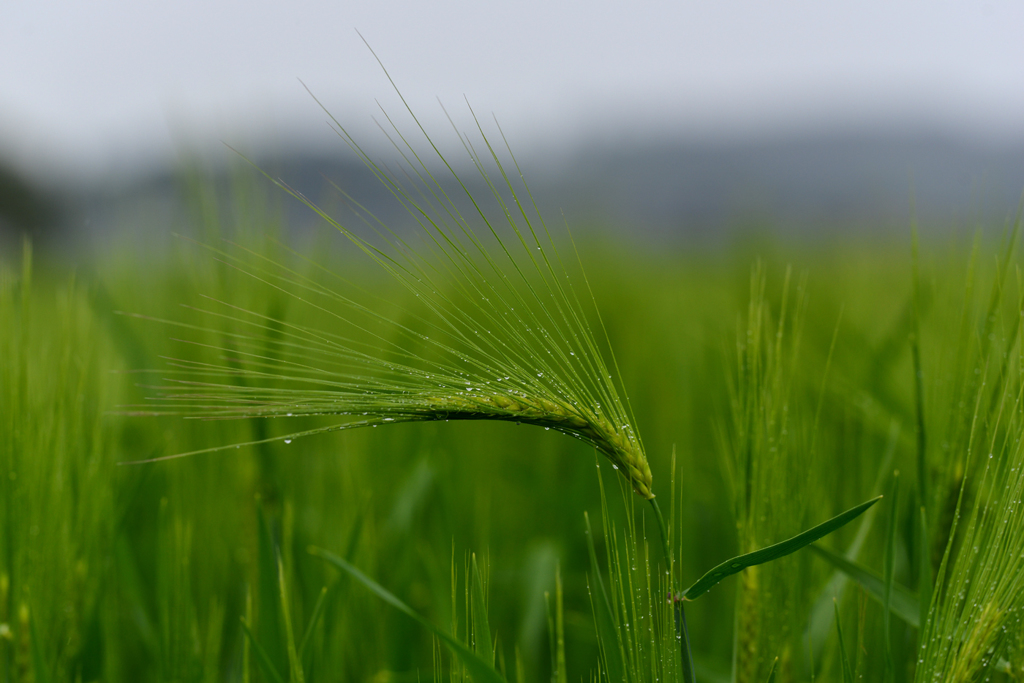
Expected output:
(812, 184)
(816, 182)
(27, 209)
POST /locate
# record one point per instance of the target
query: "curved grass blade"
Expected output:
(774, 552)
(479, 670)
(771, 672)
(903, 602)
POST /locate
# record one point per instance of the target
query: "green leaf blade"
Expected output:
(774, 552)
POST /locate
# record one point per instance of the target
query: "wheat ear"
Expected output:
(482, 319)
(623, 451)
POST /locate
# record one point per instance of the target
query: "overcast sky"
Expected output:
(86, 87)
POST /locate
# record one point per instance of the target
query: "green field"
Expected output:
(774, 386)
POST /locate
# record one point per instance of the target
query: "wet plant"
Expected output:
(498, 329)
(383, 552)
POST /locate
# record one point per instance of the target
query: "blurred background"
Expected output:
(672, 121)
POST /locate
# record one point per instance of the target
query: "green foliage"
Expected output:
(877, 357)
(774, 552)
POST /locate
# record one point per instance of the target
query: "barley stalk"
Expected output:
(617, 444)
(499, 332)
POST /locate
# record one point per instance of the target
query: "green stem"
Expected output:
(682, 632)
(683, 635)
(664, 534)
